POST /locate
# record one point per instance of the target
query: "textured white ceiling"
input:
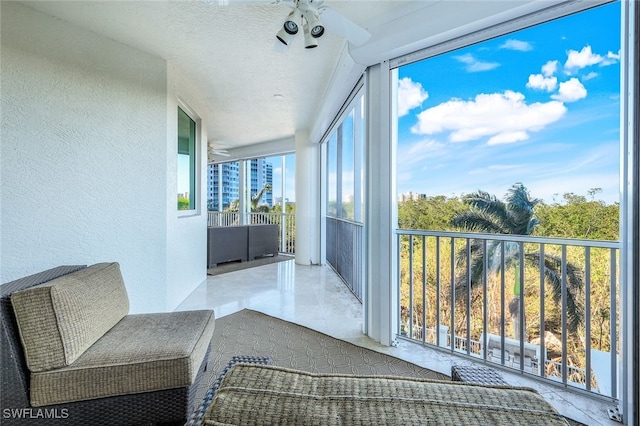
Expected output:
(227, 53)
(230, 55)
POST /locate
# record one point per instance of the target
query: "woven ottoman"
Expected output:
(476, 374)
(269, 395)
(197, 417)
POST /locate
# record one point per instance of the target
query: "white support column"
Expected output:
(323, 154)
(242, 192)
(381, 211)
(220, 186)
(283, 205)
(307, 200)
(629, 377)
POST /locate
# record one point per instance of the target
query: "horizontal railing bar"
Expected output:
(342, 219)
(513, 237)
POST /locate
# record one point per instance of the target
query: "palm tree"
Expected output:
(234, 206)
(255, 200)
(514, 217)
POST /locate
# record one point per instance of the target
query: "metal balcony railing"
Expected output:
(477, 294)
(223, 218)
(286, 223)
(345, 252)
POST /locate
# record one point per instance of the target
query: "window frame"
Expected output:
(194, 184)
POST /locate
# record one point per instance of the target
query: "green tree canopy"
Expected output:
(515, 216)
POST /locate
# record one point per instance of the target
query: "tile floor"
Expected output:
(314, 296)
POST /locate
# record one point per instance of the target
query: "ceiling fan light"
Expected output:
(291, 22)
(290, 27)
(317, 31)
(312, 18)
(309, 41)
(284, 37)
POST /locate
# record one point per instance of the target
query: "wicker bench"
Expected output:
(72, 354)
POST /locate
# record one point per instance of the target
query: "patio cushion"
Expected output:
(261, 394)
(142, 353)
(60, 319)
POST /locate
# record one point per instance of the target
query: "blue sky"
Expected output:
(289, 173)
(539, 106)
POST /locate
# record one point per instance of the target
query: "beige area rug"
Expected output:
(223, 268)
(290, 345)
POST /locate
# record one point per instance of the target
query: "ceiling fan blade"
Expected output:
(218, 152)
(343, 26)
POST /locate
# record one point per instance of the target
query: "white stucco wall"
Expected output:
(186, 234)
(86, 162)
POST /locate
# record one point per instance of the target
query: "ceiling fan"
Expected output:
(212, 153)
(314, 17)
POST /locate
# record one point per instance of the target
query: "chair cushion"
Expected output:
(259, 394)
(142, 353)
(60, 319)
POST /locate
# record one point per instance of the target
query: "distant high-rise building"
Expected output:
(411, 196)
(261, 174)
(269, 195)
(230, 184)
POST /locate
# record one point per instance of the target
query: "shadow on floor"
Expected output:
(223, 268)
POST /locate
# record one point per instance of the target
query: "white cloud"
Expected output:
(611, 58)
(410, 95)
(520, 45)
(570, 91)
(584, 58)
(589, 76)
(501, 117)
(581, 59)
(549, 68)
(475, 65)
(420, 152)
(540, 82)
(503, 167)
(508, 137)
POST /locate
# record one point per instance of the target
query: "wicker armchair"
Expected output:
(162, 406)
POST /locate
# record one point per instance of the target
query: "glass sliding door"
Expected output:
(344, 194)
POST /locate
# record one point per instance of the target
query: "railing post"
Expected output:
(438, 341)
(543, 357)
(612, 322)
(587, 316)
(283, 232)
(411, 306)
(502, 302)
(564, 313)
(443, 331)
(468, 313)
(453, 293)
(424, 289)
(485, 309)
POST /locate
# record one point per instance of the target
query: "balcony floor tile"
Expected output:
(315, 297)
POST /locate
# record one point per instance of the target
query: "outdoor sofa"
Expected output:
(72, 353)
(241, 243)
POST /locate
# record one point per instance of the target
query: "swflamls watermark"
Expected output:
(35, 413)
